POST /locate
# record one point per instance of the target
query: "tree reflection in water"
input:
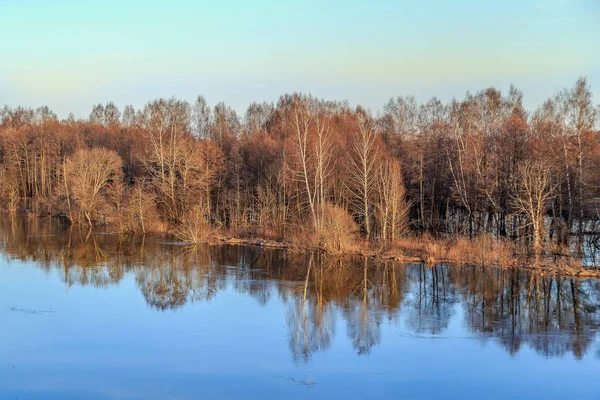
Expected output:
(431, 299)
(554, 316)
(311, 323)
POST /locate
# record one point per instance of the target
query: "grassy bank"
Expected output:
(481, 251)
(484, 250)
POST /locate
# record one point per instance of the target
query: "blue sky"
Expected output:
(71, 54)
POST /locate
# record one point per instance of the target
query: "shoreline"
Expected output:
(543, 268)
(396, 253)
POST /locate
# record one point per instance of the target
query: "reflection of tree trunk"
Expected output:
(142, 243)
(310, 262)
(98, 252)
(302, 321)
(435, 284)
(576, 317)
(319, 281)
(13, 226)
(558, 301)
(421, 285)
(365, 288)
(365, 312)
(548, 300)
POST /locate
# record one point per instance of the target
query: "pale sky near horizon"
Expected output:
(70, 54)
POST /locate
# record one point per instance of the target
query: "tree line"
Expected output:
(310, 169)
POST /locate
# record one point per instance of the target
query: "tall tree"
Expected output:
(363, 167)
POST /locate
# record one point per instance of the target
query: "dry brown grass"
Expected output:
(302, 238)
(483, 250)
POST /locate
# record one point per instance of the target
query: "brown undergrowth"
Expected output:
(481, 251)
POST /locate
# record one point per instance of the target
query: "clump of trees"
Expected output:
(482, 165)
(90, 175)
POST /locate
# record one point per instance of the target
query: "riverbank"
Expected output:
(481, 252)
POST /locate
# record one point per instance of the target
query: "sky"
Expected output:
(71, 54)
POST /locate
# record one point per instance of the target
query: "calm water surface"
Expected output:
(96, 316)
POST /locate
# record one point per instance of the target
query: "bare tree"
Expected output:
(201, 118)
(257, 116)
(128, 118)
(581, 117)
(112, 115)
(532, 191)
(363, 168)
(168, 140)
(225, 122)
(392, 206)
(88, 174)
(303, 158)
(97, 114)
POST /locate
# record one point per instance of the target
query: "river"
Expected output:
(91, 315)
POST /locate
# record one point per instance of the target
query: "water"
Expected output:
(96, 316)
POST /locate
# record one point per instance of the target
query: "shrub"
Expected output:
(338, 230)
(195, 227)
